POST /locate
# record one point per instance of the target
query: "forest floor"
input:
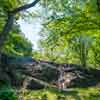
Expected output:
(91, 93)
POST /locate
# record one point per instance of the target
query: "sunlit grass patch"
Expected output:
(52, 94)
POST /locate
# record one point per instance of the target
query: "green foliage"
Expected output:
(52, 94)
(6, 93)
(81, 45)
(71, 36)
(96, 51)
(44, 97)
(61, 97)
(16, 43)
(5, 7)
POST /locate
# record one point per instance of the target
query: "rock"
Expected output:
(32, 85)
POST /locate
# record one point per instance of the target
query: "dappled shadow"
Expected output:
(76, 95)
(63, 94)
(55, 94)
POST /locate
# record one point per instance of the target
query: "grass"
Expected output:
(92, 93)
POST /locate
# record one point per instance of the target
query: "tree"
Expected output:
(11, 13)
(11, 40)
(17, 45)
(82, 21)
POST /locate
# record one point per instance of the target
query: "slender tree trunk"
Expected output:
(6, 29)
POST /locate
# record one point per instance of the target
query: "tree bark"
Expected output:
(6, 29)
(25, 7)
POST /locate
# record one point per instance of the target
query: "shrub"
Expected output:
(61, 97)
(7, 93)
(44, 97)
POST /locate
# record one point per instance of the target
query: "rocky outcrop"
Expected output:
(50, 72)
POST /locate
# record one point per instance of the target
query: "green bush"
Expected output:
(59, 97)
(7, 93)
(44, 97)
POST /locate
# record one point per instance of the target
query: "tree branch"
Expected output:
(25, 7)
